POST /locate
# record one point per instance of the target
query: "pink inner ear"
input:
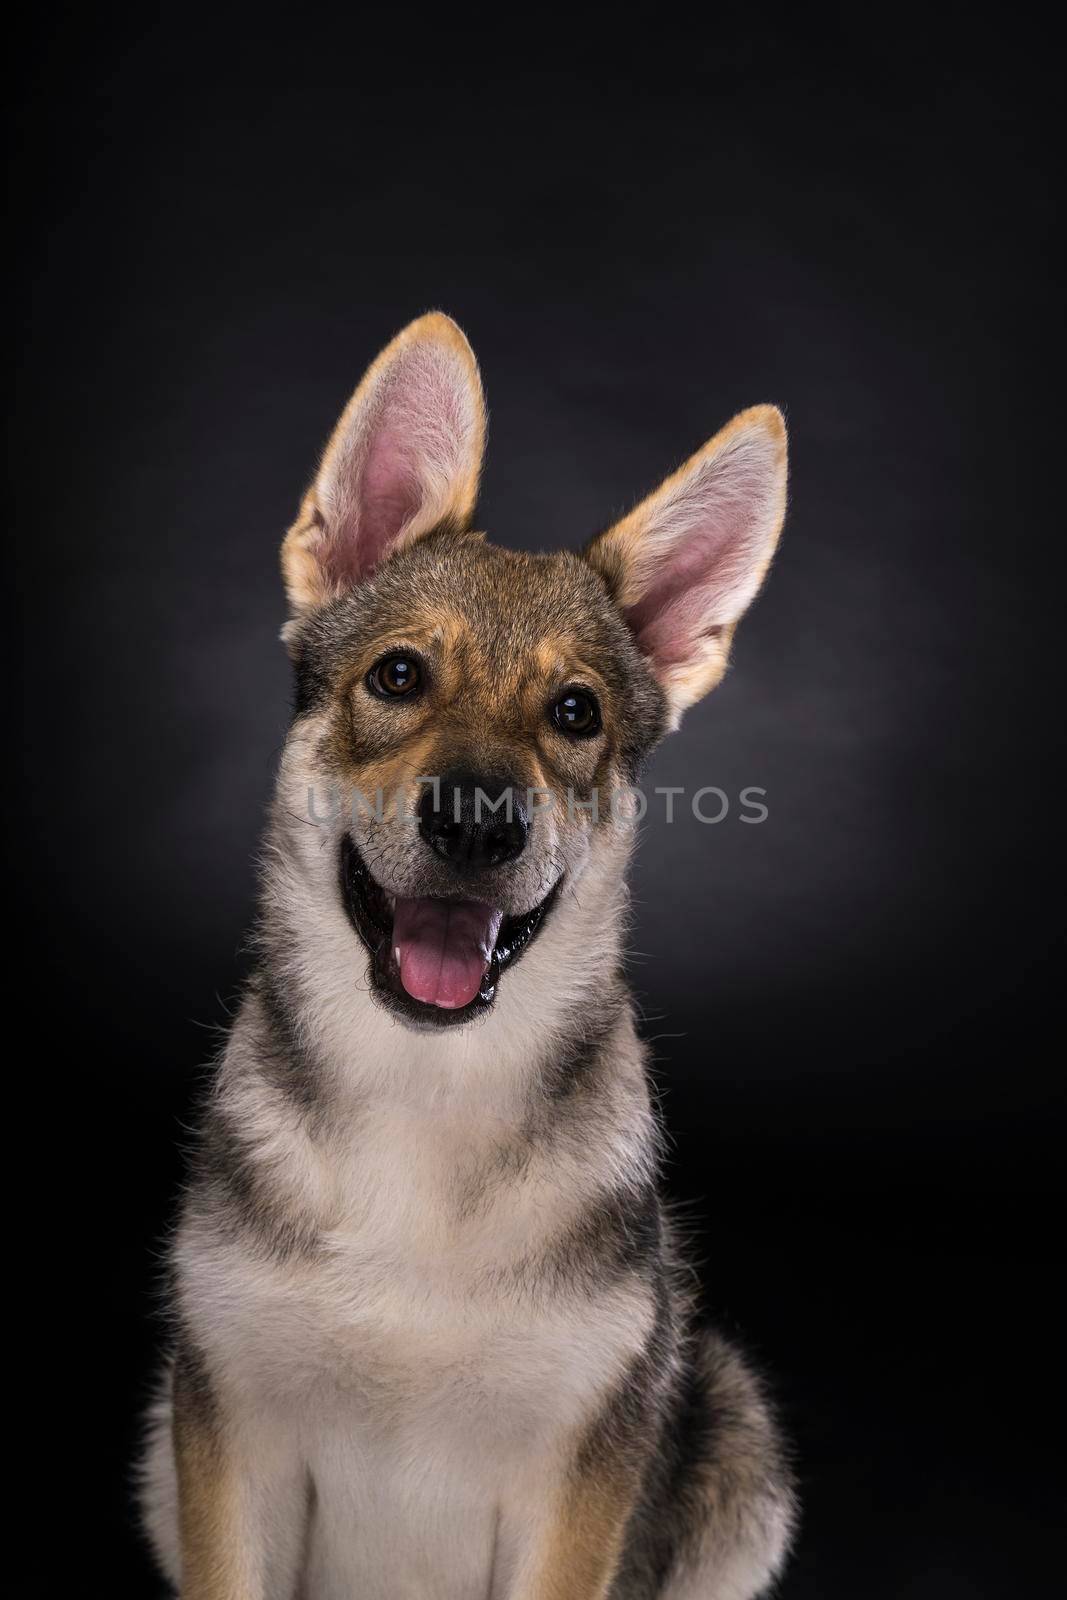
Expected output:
(410, 451)
(389, 496)
(673, 613)
(703, 545)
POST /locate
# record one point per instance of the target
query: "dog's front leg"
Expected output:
(241, 1512)
(575, 1551)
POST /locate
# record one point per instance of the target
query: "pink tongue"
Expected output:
(443, 947)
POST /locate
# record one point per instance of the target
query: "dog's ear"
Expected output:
(684, 565)
(404, 458)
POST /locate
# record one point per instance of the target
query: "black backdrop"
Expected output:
(641, 236)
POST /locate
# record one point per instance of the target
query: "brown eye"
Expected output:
(576, 712)
(394, 677)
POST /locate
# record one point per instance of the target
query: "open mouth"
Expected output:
(436, 960)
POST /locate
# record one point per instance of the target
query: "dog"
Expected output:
(433, 1334)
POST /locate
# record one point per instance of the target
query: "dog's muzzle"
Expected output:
(437, 960)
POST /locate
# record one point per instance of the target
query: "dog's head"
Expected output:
(476, 715)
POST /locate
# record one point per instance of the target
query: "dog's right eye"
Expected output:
(394, 677)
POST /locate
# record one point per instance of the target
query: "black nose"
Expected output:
(473, 823)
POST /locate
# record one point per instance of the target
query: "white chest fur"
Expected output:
(416, 1356)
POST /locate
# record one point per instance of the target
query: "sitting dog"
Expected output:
(432, 1336)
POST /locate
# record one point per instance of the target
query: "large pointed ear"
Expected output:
(684, 565)
(404, 458)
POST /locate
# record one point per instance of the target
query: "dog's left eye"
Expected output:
(576, 712)
(394, 676)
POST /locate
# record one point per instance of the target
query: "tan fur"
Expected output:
(216, 1561)
(456, 720)
(580, 1554)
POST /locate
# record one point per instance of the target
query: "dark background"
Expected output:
(641, 235)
